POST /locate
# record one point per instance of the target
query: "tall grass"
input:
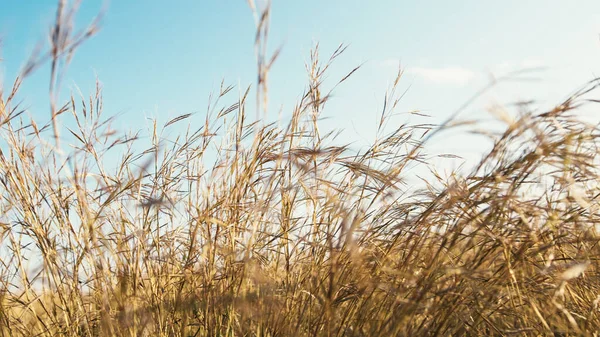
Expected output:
(285, 234)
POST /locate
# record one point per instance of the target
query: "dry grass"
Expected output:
(284, 234)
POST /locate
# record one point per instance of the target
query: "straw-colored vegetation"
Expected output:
(240, 228)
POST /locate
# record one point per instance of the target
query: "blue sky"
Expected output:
(162, 60)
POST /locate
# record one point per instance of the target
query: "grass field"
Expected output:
(280, 233)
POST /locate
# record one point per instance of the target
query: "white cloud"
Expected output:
(460, 76)
(533, 63)
(446, 75)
